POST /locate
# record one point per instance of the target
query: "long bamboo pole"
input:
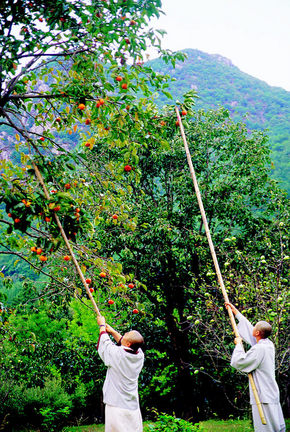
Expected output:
(214, 257)
(79, 270)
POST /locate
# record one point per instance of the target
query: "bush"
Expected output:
(12, 400)
(53, 419)
(80, 395)
(48, 406)
(168, 423)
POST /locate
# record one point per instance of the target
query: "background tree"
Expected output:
(168, 250)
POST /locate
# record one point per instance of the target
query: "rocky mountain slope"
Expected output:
(219, 83)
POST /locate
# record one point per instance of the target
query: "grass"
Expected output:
(93, 428)
(209, 426)
(227, 426)
(232, 425)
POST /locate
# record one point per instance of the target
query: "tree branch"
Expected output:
(36, 96)
(9, 252)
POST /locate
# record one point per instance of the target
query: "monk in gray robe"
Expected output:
(120, 391)
(260, 361)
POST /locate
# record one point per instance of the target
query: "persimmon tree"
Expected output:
(72, 76)
(70, 72)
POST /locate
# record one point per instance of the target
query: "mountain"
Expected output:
(219, 83)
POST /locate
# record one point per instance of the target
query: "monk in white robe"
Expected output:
(120, 391)
(260, 361)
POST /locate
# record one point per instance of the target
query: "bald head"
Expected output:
(264, 328)
(133, 339)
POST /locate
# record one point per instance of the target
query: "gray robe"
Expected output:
(260, 361)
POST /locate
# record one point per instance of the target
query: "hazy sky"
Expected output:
(254, 34)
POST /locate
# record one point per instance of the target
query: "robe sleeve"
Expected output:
(245, 329)
(249, 361)
(107, 350)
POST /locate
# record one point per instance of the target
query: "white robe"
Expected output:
(120, 390)
(260, 361)
(122, 420)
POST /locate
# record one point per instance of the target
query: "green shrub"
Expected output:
(47, 406)
(168, 423)
(12, 400)
(52, 420)
(54, 395)
(80, 395)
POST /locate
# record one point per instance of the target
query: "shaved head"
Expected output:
(264, 328)
(134, 339)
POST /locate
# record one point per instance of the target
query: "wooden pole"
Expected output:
(40, 178)
(214, 257)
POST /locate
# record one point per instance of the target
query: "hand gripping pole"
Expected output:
(214, 257)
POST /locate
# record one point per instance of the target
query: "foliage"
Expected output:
(43, 27)
(52, 419)
(167, 423)
(69, 71)
(47, 405)
(82, 93)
